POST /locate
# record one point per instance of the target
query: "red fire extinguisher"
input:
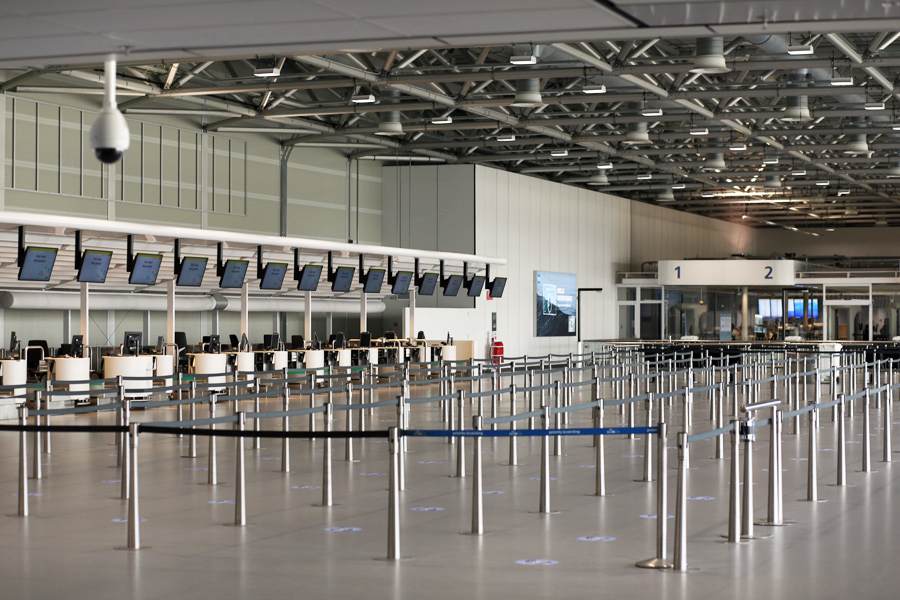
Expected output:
(496, 351)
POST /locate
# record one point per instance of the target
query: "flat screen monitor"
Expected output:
(273, 276)
(271, 341)
(132, 343)
(214, 346)
(13, 342)
(776, 308)
(343, 279)
(192, 271)
(146, 269)
(161, 345)
(38, 264)
(235, 271)
(77, 349)
(497, 286)
(94, 266)
(428, 284)
(309, 278)
(401, 282)
(454, 282)
(475, 286)
(814, 308)
(374, 279)
(791, 309)
(763, 308)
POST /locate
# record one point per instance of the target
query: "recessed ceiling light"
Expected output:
(560, 152)
(699, 131)
(606, 165)
(594, 89)
(874, 106)
(442, 120)
(652, 112)
(524, 59)
(800, 49)
(841, 81)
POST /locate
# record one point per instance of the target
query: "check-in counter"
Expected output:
(448, 354)
(165, 368)
(314, 359)
(344, 357)
(130, 366)
(208, 364)
(14, 372)
(367, 356)
(245, 362)
(72, 369)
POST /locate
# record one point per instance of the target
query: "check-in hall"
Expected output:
(395, 300)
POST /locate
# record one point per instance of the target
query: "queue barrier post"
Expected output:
(679, 558)
(632, 394)
(125, 447)
(121, 438)
(257, 422)
(393, 545)
(327, 489)
(720, 419)
(842, 444)
(348, 441)
(36, 439)
(285, 427)
(179, 409)
(812, 476)
(240, 495)
(888, 415)
(867, 441)
(192, 441)
(23, 462)
(478, 483)
(775, 515)
(648, 443)
(544, 504)
(461, 443)
(600, 453)
(134, 527)
(513, 439)
(213, 466)
(662, 493)
(734, 497)
(557, 440)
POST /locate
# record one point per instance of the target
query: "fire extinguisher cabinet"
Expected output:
(496, 352)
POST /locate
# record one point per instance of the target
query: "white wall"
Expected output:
(855, 242)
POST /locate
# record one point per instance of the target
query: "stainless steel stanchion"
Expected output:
(451, 423)
(531, 404)
(36, 440)
(285, 427)
(513, 439)
(544, 505)
(648, 443)
(47, 398)
(842, 445)
(393, 545)
(257, 422)
(775, 515)
(478, 483)
(401, 423)
(679, 558)
(748, 434)
(812, 465)
(557, 441)
(179, 395)
(662, 494)
(312, 403)
(888, 415)
(461, 443)
(866, 441)
(348, 442)
(126, 463)
(495, 398)
(134, 527)
(122, 439)
(327, 492)
(734, 495)
(192, 440)
(23, 462)
(600, 453)
(212, 469)
(240, 492)
(630, 436)
(719, 399)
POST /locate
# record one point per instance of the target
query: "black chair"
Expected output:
(181, 343)
(234, 341)
(33, 356)
(331, 339)
(338, 340)
(421, 336)
(365, 339)
(297, 342)
(390, 335)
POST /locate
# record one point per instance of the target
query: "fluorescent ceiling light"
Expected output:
(798, 50)
(843, 192)
(798, 172)
(442, 120)
(743, 216)
(699, 131)
(814, 215)
(874, 105)
(524, 59)
(841, 81)
(707, 195)
(267, 72)
(677, 186)
(560, 152)
(363, 99)
(652, 112)
(737, 146)
(896, 126)
(594, 89)
(606, 165)
(770, 160)
(645, 176)
(506, 137)
(823, 182)
(829, 229)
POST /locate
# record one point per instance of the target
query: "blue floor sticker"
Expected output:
(596, 538)
(343, 529)
(305, 487)
(426, 508)
(537, 562)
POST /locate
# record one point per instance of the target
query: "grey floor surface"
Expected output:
(841, 548)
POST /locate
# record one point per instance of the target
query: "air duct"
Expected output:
(390, 121)
(666, 196)
(857, 144)
(715, 161)
(598, 179)
(772, 181)
(894, 171)
(710, 58)
(528, 93)
(797, 109)
(637, 132)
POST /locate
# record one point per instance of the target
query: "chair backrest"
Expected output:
(181, 340)
(365, 339)
(234, 341)
(390, 335)
(421, 335)
(42, 344)
(297, 342)
(339, 339)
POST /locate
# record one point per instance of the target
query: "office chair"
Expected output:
(297, 342)
(234, 341)
(390, 335)
(365, 339)
(181, 357)
(339, 340)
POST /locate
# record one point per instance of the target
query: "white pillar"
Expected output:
(329, 324)
(170, 312)
(363, 317)
(245, 310)
(745, 315)
(307, 317)
(412, 312)
(85, 320)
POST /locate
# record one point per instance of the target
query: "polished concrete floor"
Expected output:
(845, 547)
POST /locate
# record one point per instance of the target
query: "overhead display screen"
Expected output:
(273, 276)
(428, 285)
(497, 286)
(454, 282)
(94, 266)
(475, 286)
(146, 269)
(343, 279)
(309, 278)
(555, 295)
(192, 271)
(235, 271)
(401, 283)
(38, 265)
(374, 279)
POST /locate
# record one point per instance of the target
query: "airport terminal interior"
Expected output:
(435, 300)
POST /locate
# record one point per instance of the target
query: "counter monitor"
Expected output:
(343, 279)
(374, 279)
(401, 283)
(132, 343)
(309, 278)
(94, 266)
(77, 347)
(473, 290)
(192, 270)
(235, 271)
(496, 287)
(454, 282)
(38, 264)
(428, 285)
(146, 269)
(273, 276)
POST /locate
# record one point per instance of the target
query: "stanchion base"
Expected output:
(740, 540)
(476, 534)
(540, 512)
(518, 464)
(839, 485)
(755, 536)
(808, 500)
(320, 505)
(350, 461)
(394, 560)
(654, 563)
(644, 480)
(767, 524)
(869, 471)
(126, 549)
(213, 484)
(599, 495)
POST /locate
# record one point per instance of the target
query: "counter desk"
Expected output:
(209, 364)
(64, 368)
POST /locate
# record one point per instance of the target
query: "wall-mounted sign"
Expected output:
(781, 273)
(556, 295)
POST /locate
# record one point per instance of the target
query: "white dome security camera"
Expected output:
(110, 137)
